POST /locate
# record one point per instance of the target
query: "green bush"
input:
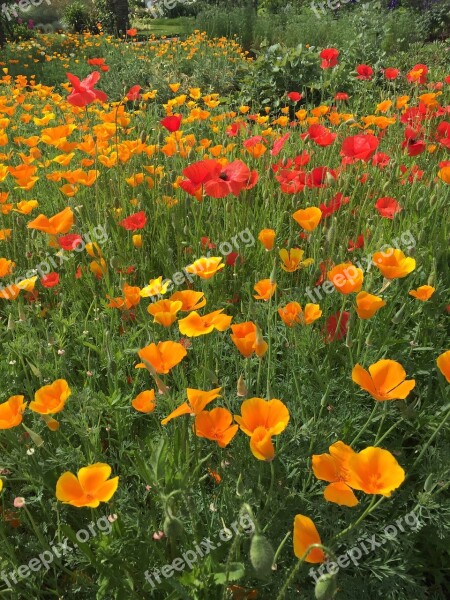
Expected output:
(76, 16)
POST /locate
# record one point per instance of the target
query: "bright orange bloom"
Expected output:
(6, 267)
(197, 400)
(346, 278)
(393, 263)
(375, 471)
(265, 289)
(90, 487)
(216, 425)
(444, 174)
(59, 223)
(267, 238)
(334, 468)
(261, 444)
(443, 363)
(293, 259)
(385, 380)
(26, 206)
(292, 314)
(190, 300)
(50, 399)
(368, 304)
(5, 234)
(155, 287)
(162, 356)
(137, 240)
(273, 415)
(164, 311)
(308, 218)
(246, 339)
(305, 535)
(145, 401)
(205, 267)
(194, 324)
(424, 292)
(11, 412)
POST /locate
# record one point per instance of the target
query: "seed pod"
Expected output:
(242, 390)
(240, 488)
(173, 527)
(326, 587)
(261, 555)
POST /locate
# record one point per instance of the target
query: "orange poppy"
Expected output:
(90, 487)
(292, 314)
(423, 293)
(375, 471)
(346, 278)
(190, 300)
(273, 415)
(305, 535)
(194, 324)
(368, 304)
(216, 425)
(248, 339)
(197, 400)
(59, 223)
(308, 218)
(164, 312)
(11, 412)
(265, 289)
(334, 468)
(393, 263)
(386, 380)
(267, 238)
(293, 259)
(162, 356)
(443, 363)
(6, 267)
(206, 268)
(144, 402)
(50, 399)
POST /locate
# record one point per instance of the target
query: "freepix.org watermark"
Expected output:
(365, 264)
(331, 4)
(46, 558)
(201, 550)
(11, 11)
(367, 545)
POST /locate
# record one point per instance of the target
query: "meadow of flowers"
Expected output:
(224, 330)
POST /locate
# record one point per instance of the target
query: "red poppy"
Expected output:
(69, 241)
(134, 222)
(233, 129)
(278, 144)
(387, 207)
(132, 32)
(171, 123)
(96, 62)
(320, 177)
(50, 280)
(360, 146)
(294, 96)
(83, 92)
(336, 326)
(365, 72)
(355, 245)
(232, 258)
(206, 243)
(381, 160)
(334, 204)
(412, 144)
(447, 79)
(418, 74)
(391, 73)
(329, 58)
(218, 181)
(252, 141)
(321, 135)
(341, 96)
(134, 92)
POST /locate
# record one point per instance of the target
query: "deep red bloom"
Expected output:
(218, 181)
(341, 96)
(447, 79)
(171, 123)
(96, 62)
(336, 326)
(206, 243)
(294, 96)
(321, 135)
(358, 244)
(329, 58)
(334, 204)
(381, 160)
(83, 92)
(50, 280)
(365, 72)
(387, 207)
(233, 129)
(412, 144)
(360, 146)
(391, 73)
(69, 241)
(232, 258)
(134, 222)
(252, 141)
(134, 92)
